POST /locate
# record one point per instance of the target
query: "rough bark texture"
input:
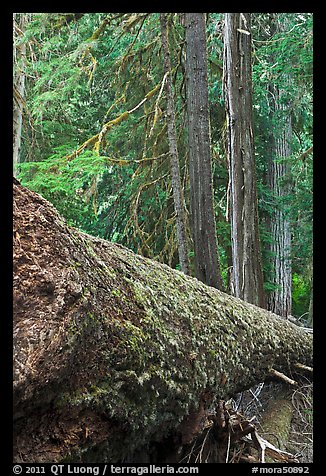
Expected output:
(20, 20)
(114, 353)
(311, 308)
(280, 300)
(247, 275)
(279, 181)
(200, 167)
(175, 172)
(276, 421)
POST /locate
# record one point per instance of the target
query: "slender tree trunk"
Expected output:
(311, 308)
(280, 299)
(20, 20)
(246, 248)
(200, 167)
(172, 136)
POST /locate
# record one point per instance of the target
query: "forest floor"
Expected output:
(269, 423)
(252, 404)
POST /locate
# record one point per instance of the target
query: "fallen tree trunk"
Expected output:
(276, 422)
(114, 353)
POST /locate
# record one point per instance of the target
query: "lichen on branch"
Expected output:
(97, 139)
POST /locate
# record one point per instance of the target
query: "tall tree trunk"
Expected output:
(200, 168)
(278, 179)
(246, 249)
(280, 299)
(20, 20)
(114, 352)
(172, 136)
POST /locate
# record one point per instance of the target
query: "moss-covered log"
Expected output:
(114, 353)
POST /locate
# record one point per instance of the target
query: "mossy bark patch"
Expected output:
(277, 422)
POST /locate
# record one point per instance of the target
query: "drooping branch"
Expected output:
(305, 154)
(59, 20)
(97, 139)
(107, 20)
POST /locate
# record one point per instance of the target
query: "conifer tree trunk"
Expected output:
(200, 167)
(279, 181)
(247, 273)
(280, 299)
(20, 20)
(172, 136)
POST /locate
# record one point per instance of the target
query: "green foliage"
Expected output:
(70, 186)
(300, 295)
(83, 71)
(283, 50)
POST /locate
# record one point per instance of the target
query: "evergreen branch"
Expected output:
(101, 28)
(133, 161)
(305, 154)
(126, 28)
(64, 19)
(96, 140)
(138, 32)
(157, 113)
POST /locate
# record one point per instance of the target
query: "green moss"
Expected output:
(276, 423)
(116, 292)
(171, 338)
(78, 325)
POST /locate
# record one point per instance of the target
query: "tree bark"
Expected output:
(311, 308)
(280, 299)
(276, 422)
(175, 171)
(114, 352)
(279, 181)
(20, 20)
(200, 167)
(247, 274)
